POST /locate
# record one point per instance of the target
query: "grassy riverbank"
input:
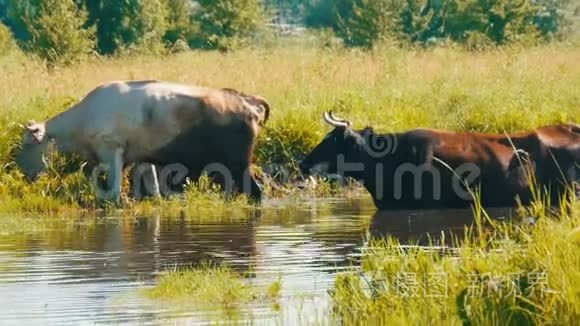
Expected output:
(522, 272)
(526, 274)
(390, 88)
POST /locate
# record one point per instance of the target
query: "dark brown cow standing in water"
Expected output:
(426, 168)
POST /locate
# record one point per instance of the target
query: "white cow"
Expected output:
(161, 123)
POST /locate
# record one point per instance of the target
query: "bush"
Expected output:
(148, 26)
(6, 39)
(226, 24)
(181, 26)
(15, 14)
(557, 18)
(501, 20)
(57, 33)
(478, 41)
(134, 24)
(363, 22)
(324, 13)
(368, 22)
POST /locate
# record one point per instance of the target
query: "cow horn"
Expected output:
(333, 121)
(328, 119)
(31, 125)
(348, 123)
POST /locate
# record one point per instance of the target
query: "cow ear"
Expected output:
(36, 130)
(265, 106)
(262, 105)
(367, 131)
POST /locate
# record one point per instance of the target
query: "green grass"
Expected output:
(507, 274)
(212, 284)
(211, 287)
(498, 273)
(392, 89)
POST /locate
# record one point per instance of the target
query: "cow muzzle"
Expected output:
(304, 167)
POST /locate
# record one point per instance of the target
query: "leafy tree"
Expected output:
(326, 13)
(121, 24)
(57, 32)
(181, 25)
(423, 20)
(3, 10)
(286, 11)
(557, 18)
(363, 22)
(367, 22)
(16, 14)
(149, 25)
(496, 21)
(501, 20)
(226, 24)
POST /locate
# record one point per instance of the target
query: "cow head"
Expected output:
(30, 156)
(342, 143)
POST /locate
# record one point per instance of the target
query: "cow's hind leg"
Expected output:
(145, 181)
(245, 183)
(574, 177)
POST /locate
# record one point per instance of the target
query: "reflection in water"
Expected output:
(427, 227)
(93, 271)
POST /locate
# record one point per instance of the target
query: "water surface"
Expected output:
(94, 272)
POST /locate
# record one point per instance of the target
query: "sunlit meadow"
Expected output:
(389, 88)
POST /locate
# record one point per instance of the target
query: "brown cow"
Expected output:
(426, 168)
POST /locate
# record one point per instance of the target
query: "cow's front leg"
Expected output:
(151, 181)
(112, 163)
(255, 189)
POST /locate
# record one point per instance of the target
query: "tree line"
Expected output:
(65, 30)
(472, 22)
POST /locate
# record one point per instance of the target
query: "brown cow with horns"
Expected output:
(426, 168)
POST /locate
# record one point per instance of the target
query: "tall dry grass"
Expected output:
(389, 88)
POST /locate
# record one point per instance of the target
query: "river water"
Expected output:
(94, 273)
